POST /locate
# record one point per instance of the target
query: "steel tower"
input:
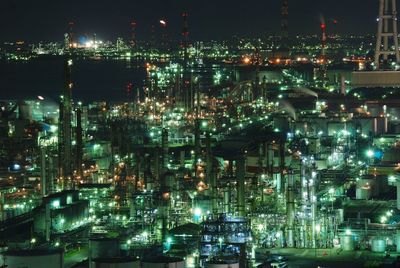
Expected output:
(71, 34)
(387, 28)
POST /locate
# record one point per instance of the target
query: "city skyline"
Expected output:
(47, 20)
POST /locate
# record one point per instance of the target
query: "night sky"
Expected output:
(36, 20)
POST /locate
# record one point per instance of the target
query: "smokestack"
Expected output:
(284, 21)
(65, 131)
(133, 34)
(79, 143)
(164, 146)
(71, 34)
(240, 174)
(323, 39)
(43, 180)
(185, 34)
(342, 85)
(164, 34)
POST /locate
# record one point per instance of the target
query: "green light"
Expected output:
(197, 212)
(53, 128)
(370, 153)
(55, 204)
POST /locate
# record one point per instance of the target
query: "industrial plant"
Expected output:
(281, 151)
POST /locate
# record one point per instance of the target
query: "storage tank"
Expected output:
(124, 262)
(282, 123)
(364, 189)
(340, 215)
(378, 244)
(163, 262)
(222, 263)
(34, 258)
(347, 243)
(104, 248)
(398, 242)
(24, 110)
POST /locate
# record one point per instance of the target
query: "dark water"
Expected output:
(93, 79)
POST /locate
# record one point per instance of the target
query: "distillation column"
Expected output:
(211, 175)
(43, 179)
(290, 209)
(65, 152)
(240, 174)
(309, 203)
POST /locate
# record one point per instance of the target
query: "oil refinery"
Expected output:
(281, 151)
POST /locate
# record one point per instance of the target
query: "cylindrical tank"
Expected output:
(222, 264)
(116, 263)
(398, 242)
(378, 244)
(104, 248)
(282, 123)
(25, 111)
(347, 243)
(163, 262)
(364, 189)
(340, 215)
(34, 258)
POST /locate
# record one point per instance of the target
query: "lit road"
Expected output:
(310, 258)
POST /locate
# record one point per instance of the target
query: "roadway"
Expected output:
(310, 258)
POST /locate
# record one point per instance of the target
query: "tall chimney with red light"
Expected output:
(133, 34)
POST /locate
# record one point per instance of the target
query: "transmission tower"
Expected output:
(387, 28)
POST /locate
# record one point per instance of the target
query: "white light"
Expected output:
(197, 212)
